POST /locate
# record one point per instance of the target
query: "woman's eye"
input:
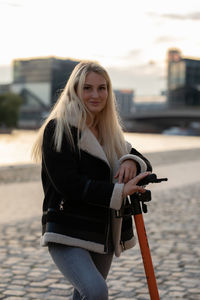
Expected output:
(86, 87)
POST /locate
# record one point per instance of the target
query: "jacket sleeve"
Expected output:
(142, 162)
(143, 158)
(62, 169)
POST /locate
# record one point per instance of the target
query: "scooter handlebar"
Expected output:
(151, 178)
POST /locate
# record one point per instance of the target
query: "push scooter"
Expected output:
(134, 208)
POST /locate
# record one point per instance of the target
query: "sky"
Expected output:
(129, 38)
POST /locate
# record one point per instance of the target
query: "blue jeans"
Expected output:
(85, 270)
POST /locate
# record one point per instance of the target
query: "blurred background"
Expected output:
(151, 50)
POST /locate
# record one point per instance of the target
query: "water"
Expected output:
(15, 148)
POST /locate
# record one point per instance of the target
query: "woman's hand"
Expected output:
(131, 187)
(126, 171)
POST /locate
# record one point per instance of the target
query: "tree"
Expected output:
(9, 109)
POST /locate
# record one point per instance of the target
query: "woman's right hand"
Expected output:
(131, 186)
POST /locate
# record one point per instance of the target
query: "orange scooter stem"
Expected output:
(146, 256)
(141, 231)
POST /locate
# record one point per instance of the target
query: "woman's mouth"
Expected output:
(95, 103)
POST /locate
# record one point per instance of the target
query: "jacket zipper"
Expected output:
(108, 227)
(107, 234)
(123, 245)
(50, 178)
(61, 205)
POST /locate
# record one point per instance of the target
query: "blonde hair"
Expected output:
(70, 106)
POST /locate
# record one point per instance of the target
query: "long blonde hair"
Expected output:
(70, 106)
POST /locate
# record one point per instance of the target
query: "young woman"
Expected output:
(88, 170)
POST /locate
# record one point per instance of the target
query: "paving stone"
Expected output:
(143, 297)
(57, 298)
(176, 288)
(176, 294)
(46, 282)
(27, 271)
(14, 293)
(38, 296)
(136, 284)
(36, 290)
(21, 282)
(121, 298)
(60, 292)
(16, 287)
(194, 291)
(60, 286)
(16, 298)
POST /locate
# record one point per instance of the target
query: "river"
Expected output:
(15, 148)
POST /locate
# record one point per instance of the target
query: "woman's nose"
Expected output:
(95, 93)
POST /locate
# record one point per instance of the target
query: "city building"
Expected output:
(183, 80)
(5, 88)
(124, 99)
(125, 106)
(39, 81)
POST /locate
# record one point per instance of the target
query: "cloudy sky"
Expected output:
(130, 38)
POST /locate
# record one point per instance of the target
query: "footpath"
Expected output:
(172, 225)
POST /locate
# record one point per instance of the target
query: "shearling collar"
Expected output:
(90, 144)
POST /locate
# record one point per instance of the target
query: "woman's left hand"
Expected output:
(126, 171)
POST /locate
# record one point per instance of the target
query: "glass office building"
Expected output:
(42, 74)
(39, 81)
(183, 80)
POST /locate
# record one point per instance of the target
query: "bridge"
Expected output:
(159, 120)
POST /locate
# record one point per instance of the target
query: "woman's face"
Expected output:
(95, 93)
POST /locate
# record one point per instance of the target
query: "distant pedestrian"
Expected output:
(88, 170)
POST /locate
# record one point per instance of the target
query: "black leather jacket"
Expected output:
(79, 195)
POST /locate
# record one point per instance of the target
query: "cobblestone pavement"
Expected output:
(172, 225)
